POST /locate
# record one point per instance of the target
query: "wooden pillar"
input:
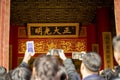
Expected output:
(4, 32)
(117, 16)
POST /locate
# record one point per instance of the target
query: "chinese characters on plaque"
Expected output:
(107, 49)
(53, 30)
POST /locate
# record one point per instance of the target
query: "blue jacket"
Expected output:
(93, 77)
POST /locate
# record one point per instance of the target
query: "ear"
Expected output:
(119, 60)
(34, 73)
(82, 67)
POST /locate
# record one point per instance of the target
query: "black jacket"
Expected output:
(71, 71)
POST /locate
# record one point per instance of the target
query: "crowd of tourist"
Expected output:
(48, 67)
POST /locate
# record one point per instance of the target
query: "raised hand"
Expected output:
(62, 55)
(27, 57)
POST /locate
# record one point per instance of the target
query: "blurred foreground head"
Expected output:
(19, 73)
(3, 72)
(108, 74)
(47, 68)
(116, 46)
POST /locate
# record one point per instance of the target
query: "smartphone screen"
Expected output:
(30, 47)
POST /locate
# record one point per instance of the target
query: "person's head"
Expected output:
(91, 63)
(3, 72)
(8, 75)
(20, 73)
(116, 46)
(62, 74)
(47, 68)
(108, 74)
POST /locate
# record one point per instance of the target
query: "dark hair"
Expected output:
(92, 61)
(108, 74)
(116, 43)
(21, 73)
(47, 68)
(62, 73)
(3, 72)
(8, 75)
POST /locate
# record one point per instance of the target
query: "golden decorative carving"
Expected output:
(39, 46)
(43, 45)
(51, 45)
(81, 46)
(66, 45)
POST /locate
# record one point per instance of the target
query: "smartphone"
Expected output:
(78, 55)
(75, 55)
(55, 51)
(30, 47)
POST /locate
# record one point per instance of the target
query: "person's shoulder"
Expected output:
(101, 78)
(116, 78)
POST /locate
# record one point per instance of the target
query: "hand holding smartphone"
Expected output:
(30, 47)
